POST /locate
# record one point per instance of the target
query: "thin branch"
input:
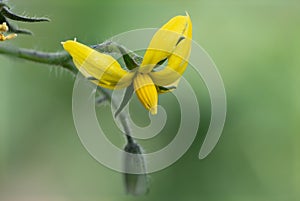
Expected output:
(52, 58)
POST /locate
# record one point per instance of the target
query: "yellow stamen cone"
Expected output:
(146, 92)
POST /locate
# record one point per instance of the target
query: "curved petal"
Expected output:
(177, 61)
(100, 68)
(146, 92)
(176, 66)
(165, 41)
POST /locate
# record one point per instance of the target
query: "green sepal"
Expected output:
(7, 13)
(127, 57)
(131, 59)
(161, 89)
(128, 94)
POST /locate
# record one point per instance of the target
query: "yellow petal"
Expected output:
(177, 61)
(176, 66)
(103, 69)
(146, 92)
(8, 37)
(165, 41)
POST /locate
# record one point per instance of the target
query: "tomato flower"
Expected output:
(171, 44)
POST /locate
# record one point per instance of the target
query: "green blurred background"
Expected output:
(256, 46)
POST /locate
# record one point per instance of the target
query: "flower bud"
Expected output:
(3, 27)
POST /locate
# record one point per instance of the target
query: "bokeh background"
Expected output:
(256, 46)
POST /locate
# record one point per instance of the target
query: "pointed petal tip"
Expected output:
(67, 44)
(188, 16)
(68, 41)
(153, 110)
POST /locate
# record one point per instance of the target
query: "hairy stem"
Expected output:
(52, 58)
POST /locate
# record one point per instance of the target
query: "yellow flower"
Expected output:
(171, 44)
(4, 28)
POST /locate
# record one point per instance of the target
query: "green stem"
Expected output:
(52, 58)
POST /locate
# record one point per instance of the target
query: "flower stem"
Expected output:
(52, 58)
